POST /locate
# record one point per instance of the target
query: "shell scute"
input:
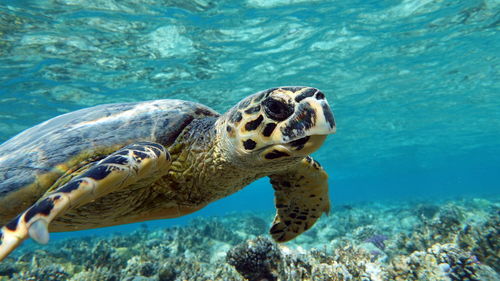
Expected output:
(32, 161)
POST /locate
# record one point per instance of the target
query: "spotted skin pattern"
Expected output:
(301, 197)
(131, 162)
(252, 124)
(32, 161)
(128, 165)
(285, 115)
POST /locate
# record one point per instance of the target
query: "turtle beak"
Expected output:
(312, 118)
(307, 128)
(306, 145)
(325, 122)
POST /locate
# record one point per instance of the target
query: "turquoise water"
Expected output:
(414, 84)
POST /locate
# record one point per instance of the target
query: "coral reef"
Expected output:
(450, 240)
(256, 259)
(37, 271)
(441, 262)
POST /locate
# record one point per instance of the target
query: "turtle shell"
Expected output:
(32, 161)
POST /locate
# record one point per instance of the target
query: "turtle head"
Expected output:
(279, 123)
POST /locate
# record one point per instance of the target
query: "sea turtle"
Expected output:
(129, 162)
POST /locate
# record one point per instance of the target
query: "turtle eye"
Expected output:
(277, 110)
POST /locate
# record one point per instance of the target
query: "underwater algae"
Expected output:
(443, 240)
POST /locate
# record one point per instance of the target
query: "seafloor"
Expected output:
(448, 240)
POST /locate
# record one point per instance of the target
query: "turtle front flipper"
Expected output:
(126, 166)
(301, 197)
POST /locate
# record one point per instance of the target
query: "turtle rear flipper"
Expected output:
(301, 197)
(119, 170)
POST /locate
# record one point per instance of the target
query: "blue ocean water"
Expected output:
(414, 84)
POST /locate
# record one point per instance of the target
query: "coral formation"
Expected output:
(256, 259)
(440, 262)
(453, 240)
